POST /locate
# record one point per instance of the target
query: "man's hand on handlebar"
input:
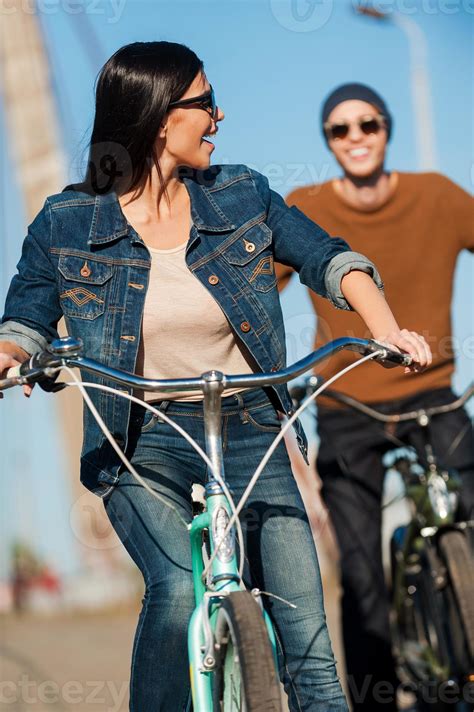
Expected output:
(12, 355)
(411, 343)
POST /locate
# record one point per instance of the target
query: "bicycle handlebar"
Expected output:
(299, 392)
(43, 367)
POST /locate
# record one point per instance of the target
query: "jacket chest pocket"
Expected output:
(83, 286)
(252, 254)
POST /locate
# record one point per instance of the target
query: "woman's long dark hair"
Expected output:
(133, 92)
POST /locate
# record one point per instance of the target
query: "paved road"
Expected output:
(66, 662)
(73, 663)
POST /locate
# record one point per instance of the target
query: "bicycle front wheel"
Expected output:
(245, 679)
(459, 561)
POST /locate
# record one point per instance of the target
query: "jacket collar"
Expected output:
(109, 222)
(205, 212)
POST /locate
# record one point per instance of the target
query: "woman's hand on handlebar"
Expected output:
(368, 301)
(411, 343)
(12, 355)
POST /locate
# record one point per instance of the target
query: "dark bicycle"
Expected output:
(432, 562)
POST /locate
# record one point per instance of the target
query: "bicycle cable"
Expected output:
(276, 442)
(82, 388)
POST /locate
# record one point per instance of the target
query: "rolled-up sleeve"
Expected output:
(339, 266)
(24, 337)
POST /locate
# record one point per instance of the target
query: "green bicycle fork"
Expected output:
(224, 579)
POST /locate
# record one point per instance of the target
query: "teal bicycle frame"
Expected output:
(224, 574)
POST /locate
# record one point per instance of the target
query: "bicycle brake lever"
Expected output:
(50, 386)
(388, 358)
(31, 372)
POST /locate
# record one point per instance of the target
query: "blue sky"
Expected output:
(271, 63)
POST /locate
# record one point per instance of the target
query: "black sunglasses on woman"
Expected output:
(206, 101)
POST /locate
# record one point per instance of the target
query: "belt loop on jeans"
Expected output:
(240, 402)
(163, 407)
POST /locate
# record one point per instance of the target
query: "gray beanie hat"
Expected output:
(360, 92)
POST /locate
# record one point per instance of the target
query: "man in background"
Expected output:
(413, 227)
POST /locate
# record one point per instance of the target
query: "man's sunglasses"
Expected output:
(205, 101)
(367, 124)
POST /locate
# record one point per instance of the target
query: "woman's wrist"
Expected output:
(13, 350)
(367, 300)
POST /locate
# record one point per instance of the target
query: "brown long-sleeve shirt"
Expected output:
(414, 239)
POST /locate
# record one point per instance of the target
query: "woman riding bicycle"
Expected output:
(163, 265)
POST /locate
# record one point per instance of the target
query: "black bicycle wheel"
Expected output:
(245, 679)
(420, 623)
(459, 561)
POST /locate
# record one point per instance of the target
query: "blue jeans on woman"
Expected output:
(280, 552)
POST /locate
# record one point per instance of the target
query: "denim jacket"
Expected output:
(81, 259)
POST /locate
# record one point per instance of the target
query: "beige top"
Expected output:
(184, 331)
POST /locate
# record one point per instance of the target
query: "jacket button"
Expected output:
(213, 279)
(249, 246)
(85, 270)
(245, 326)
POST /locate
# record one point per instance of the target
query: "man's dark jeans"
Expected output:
(352, 472)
